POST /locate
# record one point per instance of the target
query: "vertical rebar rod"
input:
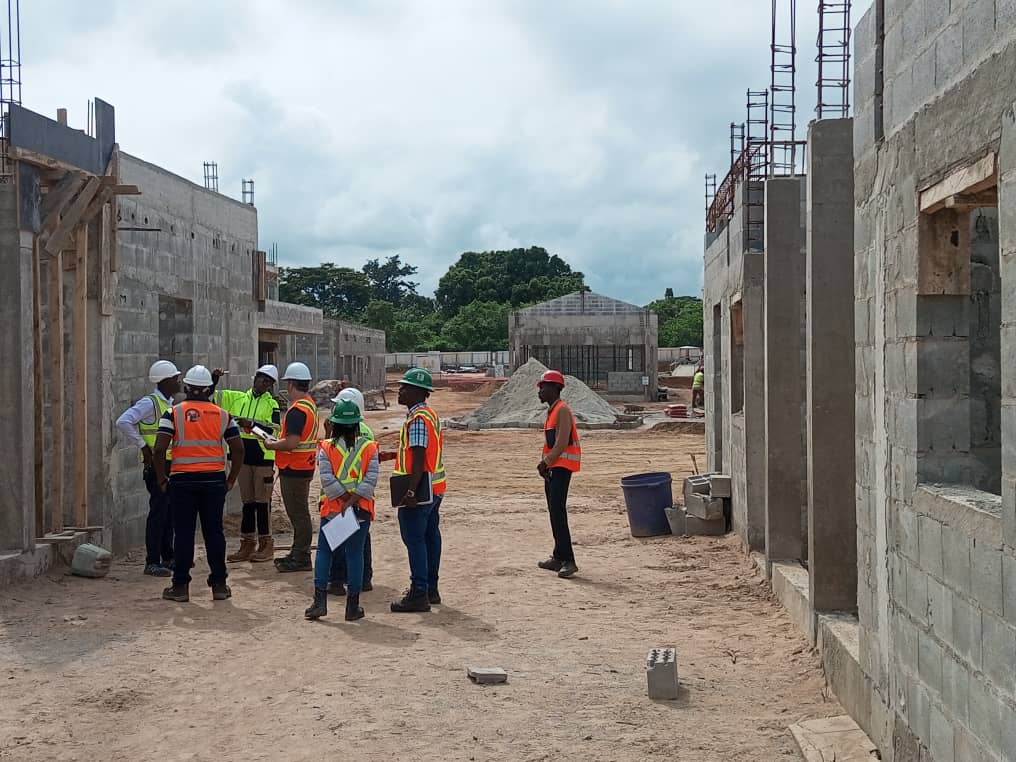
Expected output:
(833, 58)
(10, 82)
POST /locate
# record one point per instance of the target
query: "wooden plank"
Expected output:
(70, 219)
(40, 160)
(105, 277)
(968, 201)
(38, 381)
(113, 169)
(976, 177)
(57, 383)
(61, 193)
(80, 351)
(97, 204)
(126, 190)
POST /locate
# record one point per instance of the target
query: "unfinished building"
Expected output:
(113, 262)
(609, 344)
(891, 417)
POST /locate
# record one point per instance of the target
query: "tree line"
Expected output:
(470, 308)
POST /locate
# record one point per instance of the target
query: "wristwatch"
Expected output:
(410, 493)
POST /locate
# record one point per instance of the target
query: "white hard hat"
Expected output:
(296, 371)
(351, 394)
(161, 370)
(268, 370)
(199, 376)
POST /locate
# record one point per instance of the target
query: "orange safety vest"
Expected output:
(302, 458)
(349, 466)
(571, 458)
(433, 462)
(198, 428)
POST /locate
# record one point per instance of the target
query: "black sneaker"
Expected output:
(434, 597)
(157, 570)
(568, 569)
(551, 564)
(413, 600)
(293, 565)
(221, 592)
(177, 593)
(337, 588)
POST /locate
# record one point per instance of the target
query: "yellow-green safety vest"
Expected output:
(148, 431)
(245, 405)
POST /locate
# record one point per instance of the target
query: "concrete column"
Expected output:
(784, 285)
(17, 468)
(832, 520)
(753, 303)
(1007, 272)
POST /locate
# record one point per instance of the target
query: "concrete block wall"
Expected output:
(936, 641)
(345, 350)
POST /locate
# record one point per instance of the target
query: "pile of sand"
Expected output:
(516, 404)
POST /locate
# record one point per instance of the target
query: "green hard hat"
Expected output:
(418, 377)
(345, 411)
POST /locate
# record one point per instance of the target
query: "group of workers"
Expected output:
(195, 451)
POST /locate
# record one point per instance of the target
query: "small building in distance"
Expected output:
(609, 344)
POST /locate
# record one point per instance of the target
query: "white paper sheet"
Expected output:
(340, 528)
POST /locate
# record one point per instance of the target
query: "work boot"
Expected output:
(551, 564)
(156, 570)
(320, 606)
(434, 597)
(337, 589)
(294, 564)
(368, 585)
(414, 599)
(568, 569)
(178, 593)
(247, 548)
(265, 551)
(353, 610)
(221, 592)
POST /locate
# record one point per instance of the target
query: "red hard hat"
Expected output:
(551, 377)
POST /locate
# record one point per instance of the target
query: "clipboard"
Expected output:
(399, 485)
(264, 436)
(340, 528)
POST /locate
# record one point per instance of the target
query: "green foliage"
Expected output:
(390, 281)
(477, 327)
(680, 320)
(339, 292)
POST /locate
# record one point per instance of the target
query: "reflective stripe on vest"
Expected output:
(434, 457)
(195, 424)
(349, 467)
(149, 431)
(255, 408)
(302, 458)
(571, 458)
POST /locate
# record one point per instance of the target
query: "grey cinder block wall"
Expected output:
(935, 334)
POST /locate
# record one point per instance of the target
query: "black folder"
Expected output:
(399, 484)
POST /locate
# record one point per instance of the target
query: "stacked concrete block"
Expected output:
(661, 674)
(705, 513)
(719, 485)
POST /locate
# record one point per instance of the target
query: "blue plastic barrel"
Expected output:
(645, 498)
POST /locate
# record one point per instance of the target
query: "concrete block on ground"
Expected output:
(704, 507)
(676, 519)
(833, 739)
(697, 526)
(719, 485)
(661, 674)
(487, 675)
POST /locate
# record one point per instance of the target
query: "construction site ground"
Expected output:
(106, 669)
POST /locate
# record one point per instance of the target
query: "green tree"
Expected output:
(390, 281)
(680, 320)
(339, 292)
(476, 327)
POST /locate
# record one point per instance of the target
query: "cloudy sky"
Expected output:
(432, 127)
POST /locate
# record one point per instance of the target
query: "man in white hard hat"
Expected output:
(139, 424)
(254, 407)
(200, 433)
(296, 457)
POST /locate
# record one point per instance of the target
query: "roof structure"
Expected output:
(582, 303)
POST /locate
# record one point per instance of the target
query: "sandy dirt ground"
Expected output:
(106, 669)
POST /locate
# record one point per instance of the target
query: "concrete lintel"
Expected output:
(965, 509)
(286, 318)
(972, 178)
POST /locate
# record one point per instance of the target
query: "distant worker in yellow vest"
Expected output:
(348, 463)
(698, 388)
(200, 433)
(254, 407)
(562, 457)
(296, 456)
(139, 424)
(420, 453)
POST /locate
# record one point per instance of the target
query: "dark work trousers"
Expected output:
(421, 534)
(339, 572)
(556, 488)
(189, 501)
(159, 525)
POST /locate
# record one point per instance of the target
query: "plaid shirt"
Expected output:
(418, 436)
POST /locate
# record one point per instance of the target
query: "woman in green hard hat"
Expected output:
(348, 463)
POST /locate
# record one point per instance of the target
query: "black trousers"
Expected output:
(556, 488)
(159, 525)
(190, 501)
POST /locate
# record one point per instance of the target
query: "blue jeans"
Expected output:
(421, 533)
(352, 548)
(339, 573)
(190, 501)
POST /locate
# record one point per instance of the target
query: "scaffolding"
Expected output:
(784, 149)
(247, 191)
(212, 176)
(833, 60)
(10, 83)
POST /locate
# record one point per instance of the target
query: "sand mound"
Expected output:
(516, 405)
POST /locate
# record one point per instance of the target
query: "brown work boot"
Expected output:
(247, 546)
(265, 551)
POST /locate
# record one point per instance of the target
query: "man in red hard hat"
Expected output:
(562, 456)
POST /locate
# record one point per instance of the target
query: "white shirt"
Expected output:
(142, 411)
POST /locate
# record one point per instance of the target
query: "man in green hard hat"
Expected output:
(420, 456)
